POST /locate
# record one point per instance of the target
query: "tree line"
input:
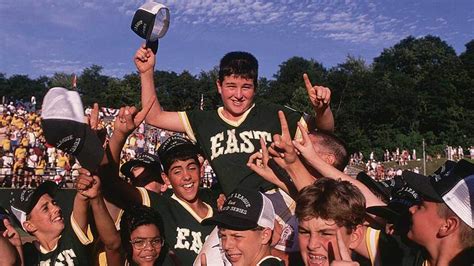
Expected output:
(417, 89)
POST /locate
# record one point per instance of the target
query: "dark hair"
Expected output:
(333, 144)
(179, 155)
(331, 199)
(241, 64)
(133, 217)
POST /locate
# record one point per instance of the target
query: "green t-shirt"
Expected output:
(184, 234)
(228, 144)
(73, 248)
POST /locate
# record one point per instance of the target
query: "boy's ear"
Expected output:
(267, 236)
(29, 227)
(329, 158)
(165, 178)
(450, 225)
(163, 187)
(219, 86)
(357, 236)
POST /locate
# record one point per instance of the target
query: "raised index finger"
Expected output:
(7, 224)
(343, 250)
(307, 82)
(94, 116)
(203, 259)
(285, 132)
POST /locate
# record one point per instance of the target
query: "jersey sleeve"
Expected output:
(155, 201)
(372, 244)
(145, 196)
(83, 237)
(186, 119)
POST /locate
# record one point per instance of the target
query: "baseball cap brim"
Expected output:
(92, 153)
(422, 184)
(127, 167)
(224, 220)
(385, 212)
(154, 172)
(374, 186)
(89, 151)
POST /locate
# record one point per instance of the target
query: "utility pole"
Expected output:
(424, 158)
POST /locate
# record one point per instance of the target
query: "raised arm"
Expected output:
(81, 203)
(115, 189)
(258, 162)
(320, 97)
(145, 61)
(305, 147)
(285, 156)
(11, 250)
(104, 223)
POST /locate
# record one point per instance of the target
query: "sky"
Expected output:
(41, 37)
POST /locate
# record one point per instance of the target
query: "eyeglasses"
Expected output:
(141, 243)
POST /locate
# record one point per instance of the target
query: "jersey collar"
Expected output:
(237, 123)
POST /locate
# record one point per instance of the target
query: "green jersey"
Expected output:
(184, 234)
(228, 144)
(73, 248)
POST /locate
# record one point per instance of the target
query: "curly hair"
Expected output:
(132, 218)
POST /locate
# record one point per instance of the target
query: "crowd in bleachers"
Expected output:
(26, 160)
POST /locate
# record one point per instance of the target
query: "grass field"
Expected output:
(431, 166)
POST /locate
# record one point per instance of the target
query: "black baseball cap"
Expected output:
(64, 127)
(383, 189)
(176, 146)
(23, 203)
(398, 206)
(151, 22)
(150, 162)
(452, 183)
(244, 209)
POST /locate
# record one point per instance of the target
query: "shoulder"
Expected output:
(268, 108)
(208, 196)
(29, 248)
(153, 199)
(200, 113)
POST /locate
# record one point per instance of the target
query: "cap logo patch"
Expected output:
(64, 140)
(234, 209)
(242, 198)
(26, 195)
(411, 191)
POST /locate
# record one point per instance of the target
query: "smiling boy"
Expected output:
(183, 211)
(230, 134)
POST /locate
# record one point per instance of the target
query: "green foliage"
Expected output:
(418, 89)
(290, 77)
